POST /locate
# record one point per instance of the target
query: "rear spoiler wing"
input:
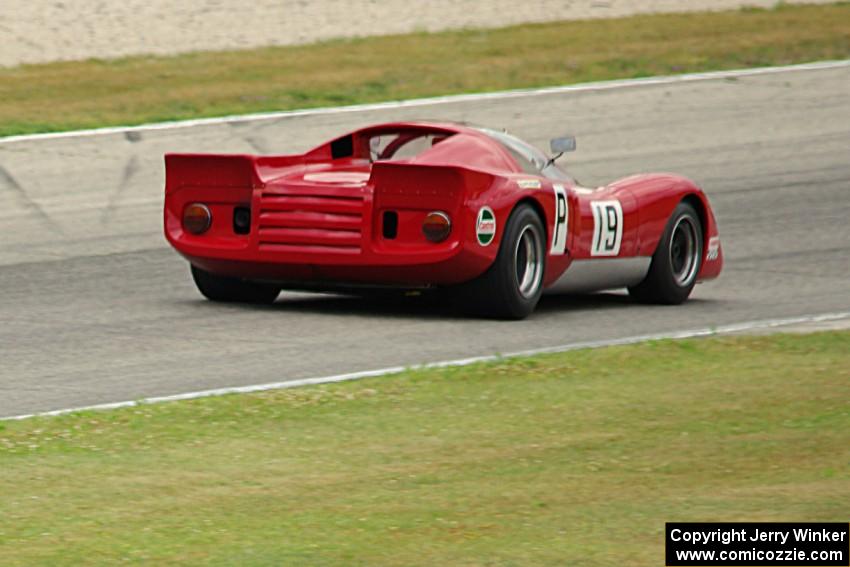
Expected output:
(396, 183)
(223, 170)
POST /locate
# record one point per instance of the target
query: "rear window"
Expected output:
(394, 146)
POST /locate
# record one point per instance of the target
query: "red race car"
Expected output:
(415, 205)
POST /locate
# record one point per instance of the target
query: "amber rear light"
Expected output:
(437, 226)
(197, 218)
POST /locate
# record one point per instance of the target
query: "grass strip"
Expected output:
(94, 93)
(570, 459)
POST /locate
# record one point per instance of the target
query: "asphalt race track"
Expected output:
(96, 308)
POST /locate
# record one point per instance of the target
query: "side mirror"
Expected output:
(563, 144)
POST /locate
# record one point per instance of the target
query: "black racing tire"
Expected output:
(676, 262)
(232, 290)
(512, 286)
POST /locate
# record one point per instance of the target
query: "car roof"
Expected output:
(437, 125)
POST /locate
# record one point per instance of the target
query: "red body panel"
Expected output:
(318, 218)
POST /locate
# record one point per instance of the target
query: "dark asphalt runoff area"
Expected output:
(96, 308)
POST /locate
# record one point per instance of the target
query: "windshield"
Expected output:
(530, 159)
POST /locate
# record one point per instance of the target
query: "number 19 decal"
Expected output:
(607, 228)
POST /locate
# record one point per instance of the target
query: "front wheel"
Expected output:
(676, 262)
(232, 290)
(512, 286)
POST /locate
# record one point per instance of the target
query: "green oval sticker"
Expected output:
(485, 227)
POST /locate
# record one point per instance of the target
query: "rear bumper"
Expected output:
(319, 243)
(310, 275)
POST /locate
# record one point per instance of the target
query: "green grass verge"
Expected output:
(65, 96)
(571, 459)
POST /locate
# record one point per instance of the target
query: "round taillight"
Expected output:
(436, 226)
(197, 218)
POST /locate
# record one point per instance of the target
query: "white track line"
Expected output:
(693, 333)
(498, 95)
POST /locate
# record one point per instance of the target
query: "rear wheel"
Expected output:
(512, 286)
(232, 290)
(676, 262)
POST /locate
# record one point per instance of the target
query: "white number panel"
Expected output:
(607, 228)
(562, 218)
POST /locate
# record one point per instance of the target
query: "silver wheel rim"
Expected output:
(528, 259)
(684, 255)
